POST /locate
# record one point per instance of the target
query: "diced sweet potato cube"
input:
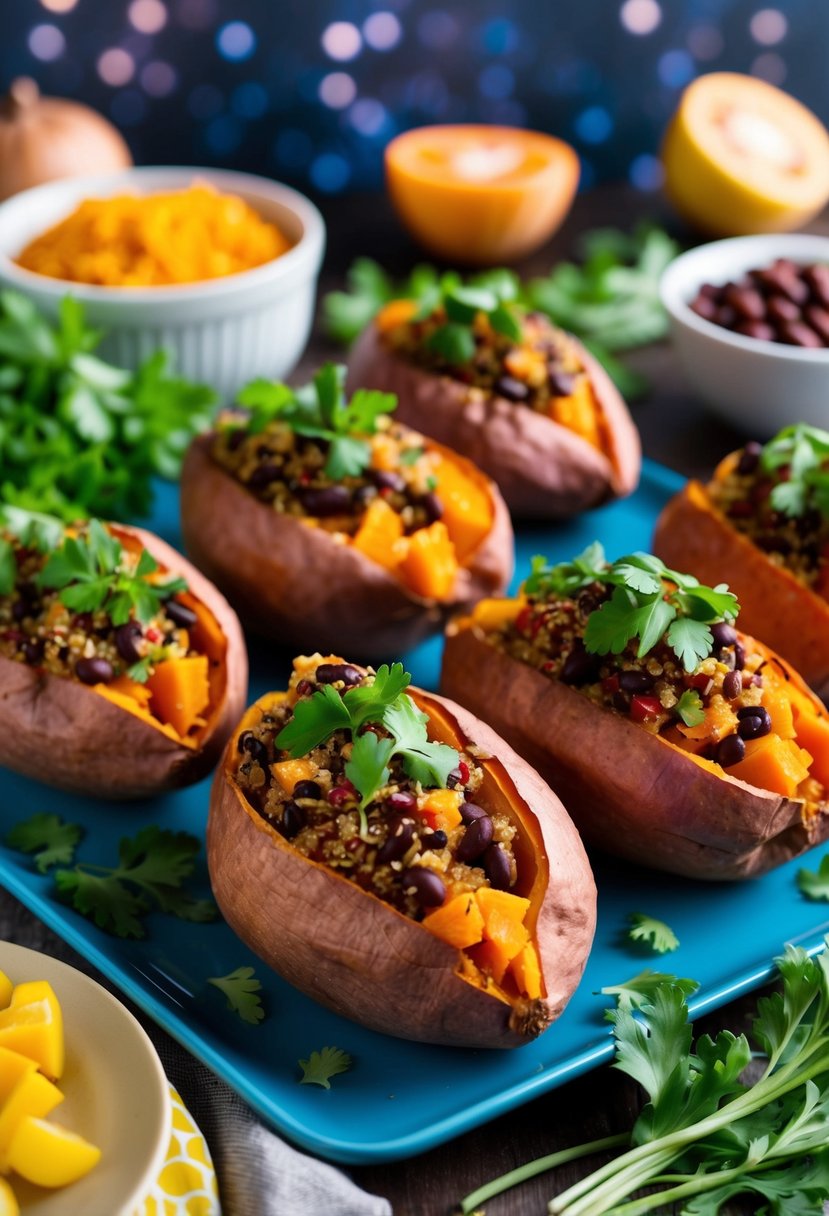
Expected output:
(180, 692)
(503, 915)
(430, 566)
(492, 614)
(441, 809)
(813, 734)
(467, 510)
(379, 534)
(773, 764)
(459, 922)
(526, 971)
(490, 958)
(289, 772)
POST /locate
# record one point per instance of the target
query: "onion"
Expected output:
(43, 138)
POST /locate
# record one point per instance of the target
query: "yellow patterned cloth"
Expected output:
(186, 1185)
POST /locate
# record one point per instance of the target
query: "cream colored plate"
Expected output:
(116, 1094)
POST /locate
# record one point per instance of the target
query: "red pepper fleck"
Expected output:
(524, 619)
(463, 769)
(610, 684)
(304, 688)
(154, 635)
(642, 708)
(700, 681)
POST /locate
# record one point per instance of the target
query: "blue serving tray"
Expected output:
(402, 1098)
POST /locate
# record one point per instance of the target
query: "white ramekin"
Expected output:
(222, 332)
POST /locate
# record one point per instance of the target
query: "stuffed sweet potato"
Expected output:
(392, 857)
(122, 669)
(520, 398)
(325, 521)
(673, 739)
(762, 523)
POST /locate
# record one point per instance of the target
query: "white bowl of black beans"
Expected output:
(750, 324)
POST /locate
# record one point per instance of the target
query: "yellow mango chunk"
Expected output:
(380, 535)
(13, 1066)
(442, 809)
(458, 922)
(503, 916)
(33, 1096)
(35, 1029)
(50, 1155)
(6, 989)
(430, 566)
(289, 772)
(8, 1202)
(526, 971)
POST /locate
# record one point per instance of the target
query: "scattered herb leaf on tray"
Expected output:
(48, 838)
(815, 885)
(150, 875)
(241, 988)
(79, 437)
(639, 989)
(652, 932)
(706, 1133)
(322, 1065)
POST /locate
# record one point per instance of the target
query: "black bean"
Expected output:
(434, 840)
(635, 681)
(579, 667)
(94, 671)
(33, 650)
(749, 458)
(294, 819)
(363, 495)
(754, 721)
(20, 610)
(730, 750)
(386, 479)
(402, 800)
(512, 389)
(253, 747)
(474, 840)
(307, 789)
(263, 476)
(470, 812)
(561, 383)
(427, 887)
(126, 637)
(180, 614)
(723, 634)
(332, 673)
(399, 840)
(83, 621)
(497, 867)
(771, 543)
(331, 500)
(732, 685)
(236, 438)
(739, 656)
(432, 505)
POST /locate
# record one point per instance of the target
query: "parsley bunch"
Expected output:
(320, 411)
(78, 436)
(382, 703)
(88, 572)
(648, 602)
(802, 453)
(705, 1134)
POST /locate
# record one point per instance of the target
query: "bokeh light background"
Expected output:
(310, 91)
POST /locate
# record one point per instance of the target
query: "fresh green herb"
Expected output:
(648, 602)
(33, 529)
(705, 1134)
(321, 1066)
(87, 571)
(382, 703)
(51, 841)
(689, 708)
(142, 670)
(150, 874)
(799, 458)
(347, 313)
(320, 411)
(241, 989)
(79, 437)
(410, 456)
(654, 933)
(815, 885)
(8, 567)
(639, 990)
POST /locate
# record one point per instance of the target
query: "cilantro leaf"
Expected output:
(453, 342)
(589, 567)
(322, 1065)
(691, 641)
(112, 905)
(689, 708)
(639, 989)
(424, 761)
(8, 567)
(655, 933)
(611, 627)
(241, 989)
(52, 841)
(314, 720)
(368, 768)
(815, 884)
(368, 703)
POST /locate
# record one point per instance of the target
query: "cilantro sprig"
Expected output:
(241, 989)
(798, 459)
(649, 601)
(320, 410)
(78, 436)
(87, 570)
(706, 1133)
(382, 703)
(647, 930)
(322, 1065)
(47, 838)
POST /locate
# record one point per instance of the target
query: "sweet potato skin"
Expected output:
(362, 958)
(64, 733)
(543, 470)
(628, 791)
(691, 534)
(294, 583)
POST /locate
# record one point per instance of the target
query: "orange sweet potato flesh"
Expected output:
(347, 949)
(293, 582)
(631, 792)
(108, 745)
(692, 534)
(543, 470)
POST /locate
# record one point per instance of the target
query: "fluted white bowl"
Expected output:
(223, 331)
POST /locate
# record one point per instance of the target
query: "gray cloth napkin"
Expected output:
(259, 1174)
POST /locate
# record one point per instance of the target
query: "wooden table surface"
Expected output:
(676, 432)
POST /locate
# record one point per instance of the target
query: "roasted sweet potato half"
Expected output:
(775, 557)
(369, 546)
(444, 904)
(712, 765)
(535, 411)
(122, 669)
